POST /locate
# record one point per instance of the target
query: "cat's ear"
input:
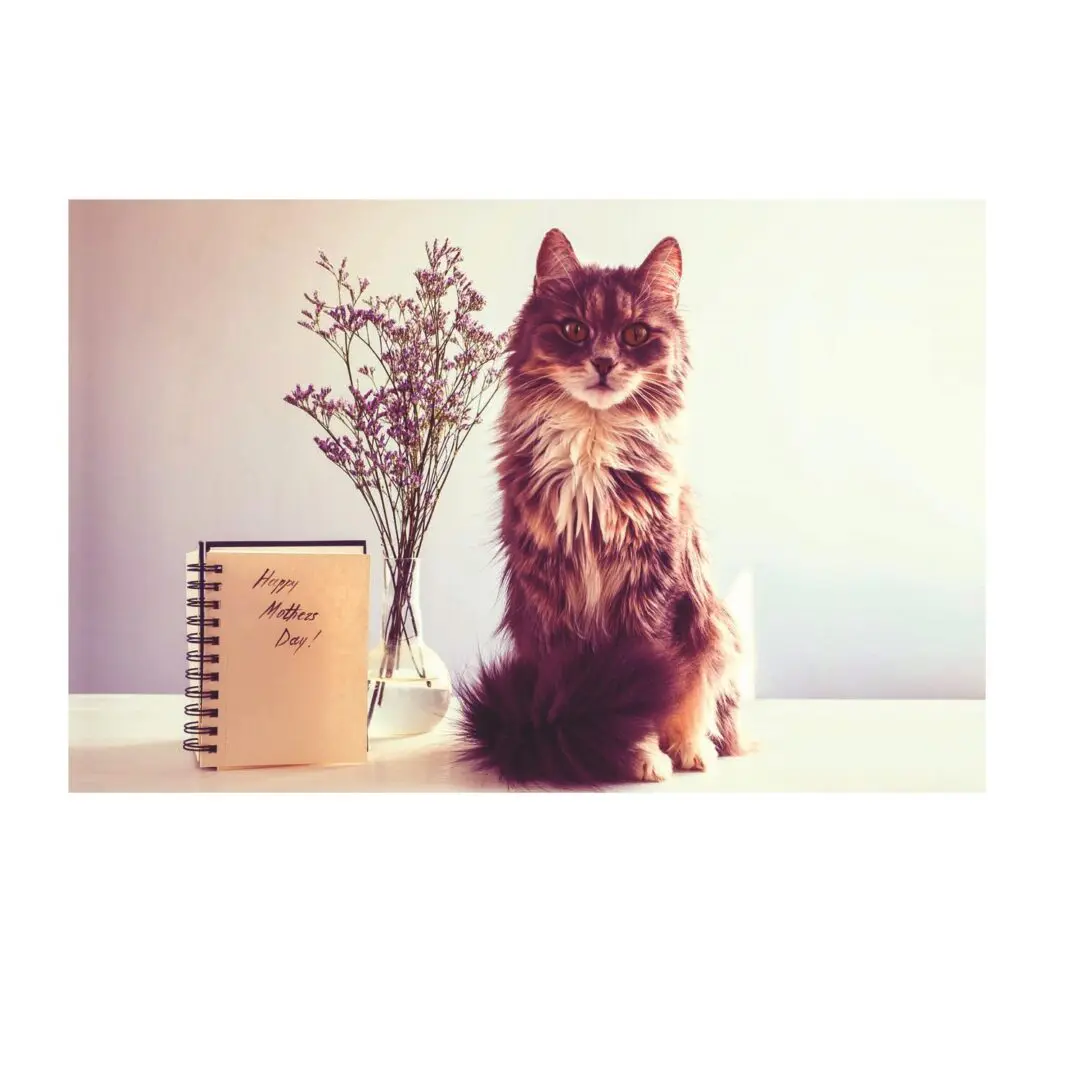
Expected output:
(556, 259)
(661, 271)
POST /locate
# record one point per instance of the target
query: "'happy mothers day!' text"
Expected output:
(287, 613)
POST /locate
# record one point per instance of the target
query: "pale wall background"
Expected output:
(836, 418)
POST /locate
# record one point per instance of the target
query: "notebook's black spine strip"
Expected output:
(313, 544)
(205, 630)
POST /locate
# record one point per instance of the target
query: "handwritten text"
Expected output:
(293, 611)
(290, 637)
(275, 584)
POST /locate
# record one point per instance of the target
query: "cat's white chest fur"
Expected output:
(579, 459)
(586, 488)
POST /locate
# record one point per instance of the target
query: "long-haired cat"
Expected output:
(622, 658)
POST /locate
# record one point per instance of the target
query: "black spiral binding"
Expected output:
(200, 659)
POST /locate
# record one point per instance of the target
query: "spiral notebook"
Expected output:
(277, 653)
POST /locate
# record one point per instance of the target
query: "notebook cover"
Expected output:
(292, 653)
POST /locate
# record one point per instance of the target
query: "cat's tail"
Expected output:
(573, 718)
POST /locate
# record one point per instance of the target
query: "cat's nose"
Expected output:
(603, 365)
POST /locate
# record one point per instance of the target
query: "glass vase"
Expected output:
(408, 683)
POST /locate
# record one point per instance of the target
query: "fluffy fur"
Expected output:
(622, 658)
(568, 717)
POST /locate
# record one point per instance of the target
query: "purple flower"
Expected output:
(421, 370)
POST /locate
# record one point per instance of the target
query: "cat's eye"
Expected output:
(575, 331)
(636, 334)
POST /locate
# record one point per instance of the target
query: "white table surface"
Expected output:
(132, 743)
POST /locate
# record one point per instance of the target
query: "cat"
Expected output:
(622, 660)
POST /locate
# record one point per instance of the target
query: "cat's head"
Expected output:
(607, 337)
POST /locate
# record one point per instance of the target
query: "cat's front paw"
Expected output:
(693, 755)
(652, 764)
